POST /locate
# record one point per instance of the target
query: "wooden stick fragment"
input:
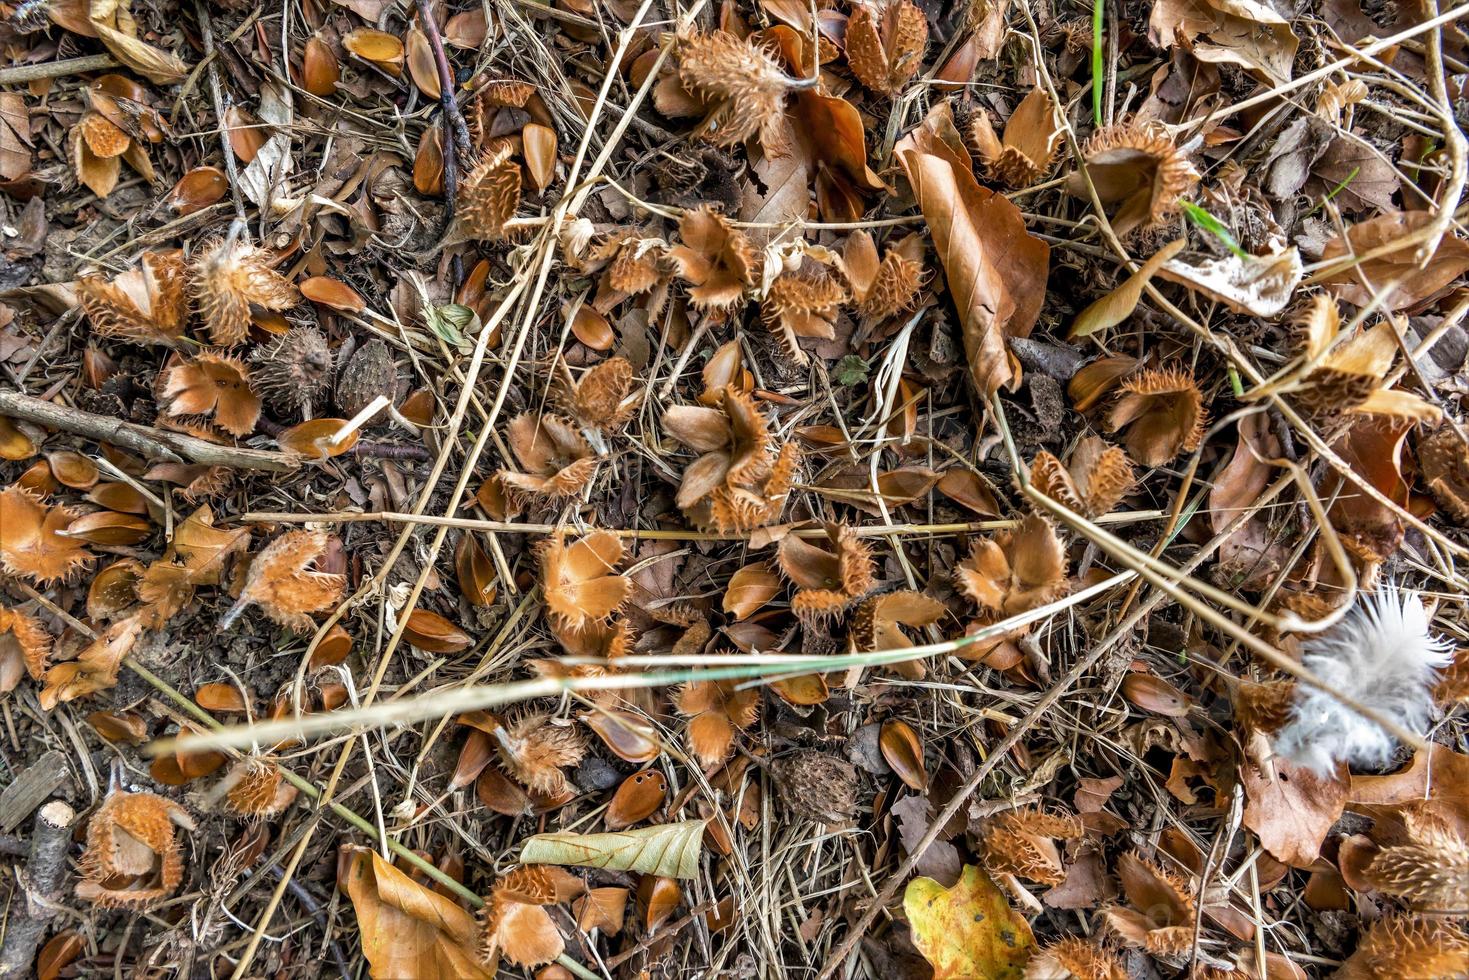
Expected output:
(154, 444)
(41, 883)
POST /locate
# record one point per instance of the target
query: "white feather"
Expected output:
(1381, 655)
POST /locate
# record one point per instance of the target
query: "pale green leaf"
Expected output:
(668, 850)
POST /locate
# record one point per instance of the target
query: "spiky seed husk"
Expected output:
(229, 276)
(1163, 412)
(1073, 958)
(490, 194)
(534, 751)
(741, 82)
(1140, 167)
(799, 305)
(294, 372)
(369, 372)
(132, 857)
(145, 305)
(885, 42)
(817, 785)
(1408, 946)
(1444, 462)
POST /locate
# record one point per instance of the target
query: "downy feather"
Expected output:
(1381, 655)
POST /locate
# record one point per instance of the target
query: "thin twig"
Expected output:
(206, 32)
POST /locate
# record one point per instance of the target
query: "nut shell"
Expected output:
(817, 785)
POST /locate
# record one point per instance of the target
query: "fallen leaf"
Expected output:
(969, 931)
(667, 850)
(1260, 285)
(410, 932)
(1118, 305)
(750, 588)
(1235, 32)
(115, 27)
(996, 269)
(1415, 283)
(1290, 808)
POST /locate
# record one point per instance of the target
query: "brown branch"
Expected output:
(40, 885)
(154, 444)
(457, 149)
(21, 74)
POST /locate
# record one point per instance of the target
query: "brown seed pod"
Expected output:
(1094, 482)
(229, 276)
(817, 785)
(490, 194)
(1163, 413)
(295, 371)
(145, 305)
(801, 305)
(740, 84)
(132, 858)
(885, 42)
(827, 579)
(534, 750)
(1140, 168)
(714, 258)
(1023, 843)
(1015, 571)
(368, 373)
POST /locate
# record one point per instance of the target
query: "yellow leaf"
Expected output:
(408, 931)
(968, 932)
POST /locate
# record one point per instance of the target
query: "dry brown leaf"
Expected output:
(32, 542)
(113, 22)
(283, 585)
(1118, 305)
(409, 932)
(1247, 33)
(1416, 282)
(996, 270)
(1290, 808)
(205, 548)
(95, 668)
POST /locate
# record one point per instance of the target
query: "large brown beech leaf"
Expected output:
(410, 932)
(996, 269)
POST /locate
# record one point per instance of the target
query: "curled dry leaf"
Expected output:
(1032, 136)
(885, 42)
(558, 460)
(968, 930)
(215, 386)
(1258, 285)
(284, 586)
(226, 279)
(1392, 235)
(1015, 571)
(1140, 169)
(32, 543)
(1023, 843)
(25, 648)
(1095, 481)
(408, 931)
(827, 579)
(996, 269)
(1237, 32)
(602, 909)
(1163, 412)
(1119, 304)
(717, 711)
(145, 305)
(667, 850)
(580, 585)
(133, 857)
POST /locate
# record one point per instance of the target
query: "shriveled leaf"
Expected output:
(410, 932)
(1260, 285)
(667, 850)
(968, 931)
(1118, 305)
(115, 27)
(996, 269)
(1415, 282)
